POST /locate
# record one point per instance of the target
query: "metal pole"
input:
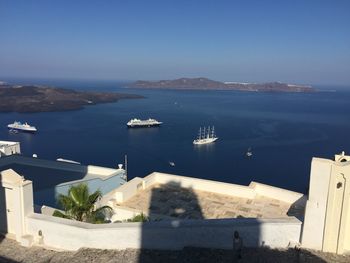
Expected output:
(126, 166)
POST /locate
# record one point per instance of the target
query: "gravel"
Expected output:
(10, 251)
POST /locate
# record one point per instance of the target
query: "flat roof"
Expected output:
(46, 175)
(6, 143)
(187, 203)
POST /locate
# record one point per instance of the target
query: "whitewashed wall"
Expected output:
(129, 189)
(71, 235)
(9, 148)
(316, 205)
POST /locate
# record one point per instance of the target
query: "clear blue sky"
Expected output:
(292, 41)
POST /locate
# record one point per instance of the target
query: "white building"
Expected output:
(50, 178)
(9, 148)
(271, 214)
(327, 214)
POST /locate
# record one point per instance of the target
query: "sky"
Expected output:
(299, 41)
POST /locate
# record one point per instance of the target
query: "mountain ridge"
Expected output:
(202, 83)
(33, 98)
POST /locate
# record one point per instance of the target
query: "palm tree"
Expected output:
(79, 205)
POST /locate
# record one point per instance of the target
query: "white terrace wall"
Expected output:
(277, 193)
(71, 235)
(206, 185)
(128, 190)
(125, 191)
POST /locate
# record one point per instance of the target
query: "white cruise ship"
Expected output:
(21, 127)
(135, 123)
(205, 136)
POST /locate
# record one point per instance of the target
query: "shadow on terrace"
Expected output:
(176, 220)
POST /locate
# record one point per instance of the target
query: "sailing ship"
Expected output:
(205, 136)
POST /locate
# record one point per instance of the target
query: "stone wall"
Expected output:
(71, 235)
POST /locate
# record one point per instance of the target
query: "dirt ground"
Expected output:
(10, 251)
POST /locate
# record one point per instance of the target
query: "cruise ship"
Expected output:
(205, 136)
(136, 123)
(21, 127)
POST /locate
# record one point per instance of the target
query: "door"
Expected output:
(6, 211)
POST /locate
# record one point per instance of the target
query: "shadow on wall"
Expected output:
(199, 242)
(3, 211)
(7, 260)
(249, 255)
(297, 209)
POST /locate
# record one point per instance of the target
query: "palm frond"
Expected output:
(79, 205)
(57, 213)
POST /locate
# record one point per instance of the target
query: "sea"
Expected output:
(284, 131)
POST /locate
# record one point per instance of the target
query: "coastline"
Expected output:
(33, 98)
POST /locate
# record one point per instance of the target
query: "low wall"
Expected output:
(105, 185)
(207, 185)
(276, 192)
(124, 213)
(174, 235)
(128, 190)
(101, 171)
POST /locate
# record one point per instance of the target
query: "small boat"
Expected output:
(205, 136)
(13, 131)
(249, 152)
(172, 164)
(21, 127)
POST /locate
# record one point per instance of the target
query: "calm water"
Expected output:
(284, 130)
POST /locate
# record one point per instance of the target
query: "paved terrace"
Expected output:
(185, 203)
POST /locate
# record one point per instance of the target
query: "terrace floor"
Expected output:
(185, 203)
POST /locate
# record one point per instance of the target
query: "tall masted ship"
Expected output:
(137, 123)
(18, 126)
(205, 136)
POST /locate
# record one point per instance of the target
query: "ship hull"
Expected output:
(143, 125)
(204, 141)
(22, 129)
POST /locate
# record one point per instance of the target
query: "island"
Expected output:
(208, 84)
(32, 98)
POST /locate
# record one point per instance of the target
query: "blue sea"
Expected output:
(284, 131)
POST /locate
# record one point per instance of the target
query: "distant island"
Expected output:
(208, 84)
(32, 98)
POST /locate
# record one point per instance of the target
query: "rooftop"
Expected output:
(7, 143)
(166, 200)
(50, 177)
